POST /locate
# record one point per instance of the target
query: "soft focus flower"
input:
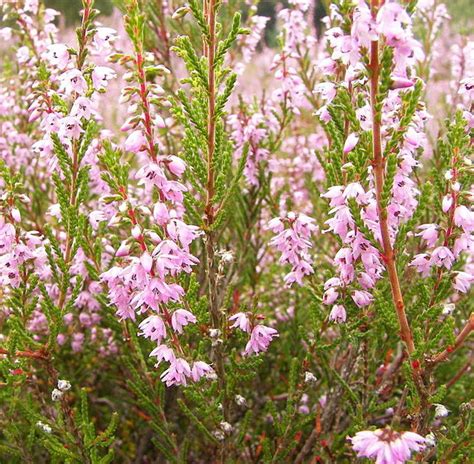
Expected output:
(58, 55)
(200, 368)
(181, 318)
(350, 142)
(463, 281)
(44, 427)
(429, 232)
(135, 142)
(260, 339)
(64, 385)
(309, 377)
(441, 410)
(338, 314)
(101, 75)
(386, 446)
(56, 394)
(241, 321)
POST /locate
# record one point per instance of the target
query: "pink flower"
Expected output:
(153, 328)
(442, 256)
(23, 55)
(57, 55)
(399, 82)
(260, 339)
(6, 33)
(351, 142)
(147, 261)
(366, 281)
(335, 195)
(413, 138)
(181, 318)
(15, 212)
(176, 165)
(447, 203)
(135, 142)
(330, 296)
(429, 233)
(464, 218)
(199, 369)
(104, 37)
(362, 298)
(462, 243)
(327, 91)
(163, 353)
(81, 108)
(386, 446)
(294, 243)
(101, 75)
(276, 225)
(463, 281)
(70, 127)
(467, 87)
(50, 123)
(355, 190)
(241, 321)
(364, 115)
(391, 21)
(96, 217)
(161, 214)
(73, 81)
(178, 230)
(338, 314)
(177, 372)
(77, 342)
(123, 250)
(422, 263)
(332, 282)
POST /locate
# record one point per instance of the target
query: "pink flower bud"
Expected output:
(135, 142)
(176, 165)
(16, 215)
(399, 82)
(136, 232)
(147, 261)
(447, 203)
(123, 250)
(160, 213)
(35, 115)
(351, 142)
(338, 314)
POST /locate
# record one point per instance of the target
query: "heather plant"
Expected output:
(265, 255)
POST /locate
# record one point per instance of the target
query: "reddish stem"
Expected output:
(379, 174)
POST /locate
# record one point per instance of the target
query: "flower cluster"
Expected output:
(260, 335)
(292, 240)
(145, 277)
(355, 206)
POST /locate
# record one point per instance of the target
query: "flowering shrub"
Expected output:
(215, 251)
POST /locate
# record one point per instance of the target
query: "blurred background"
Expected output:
(461, 11)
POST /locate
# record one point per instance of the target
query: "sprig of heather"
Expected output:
(145, 279)
(373, 152)
(68, 85)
